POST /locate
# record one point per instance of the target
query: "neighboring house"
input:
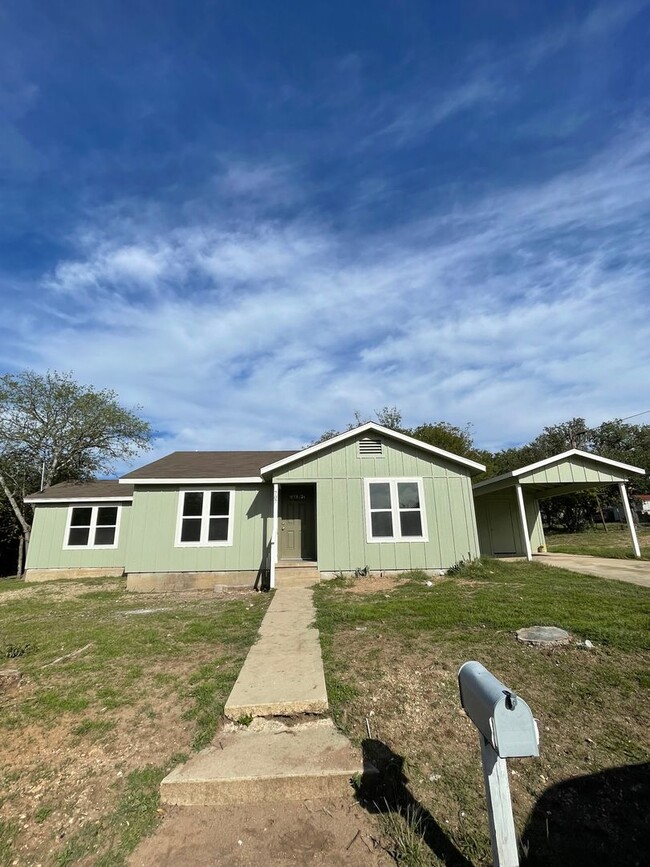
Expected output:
(642, 505)
(370, 497)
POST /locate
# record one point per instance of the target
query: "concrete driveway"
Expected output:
(632, 571)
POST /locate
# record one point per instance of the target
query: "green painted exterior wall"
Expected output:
(152, 533)
(497, 518)
(339, 475)
(574, 469)
(48, 536)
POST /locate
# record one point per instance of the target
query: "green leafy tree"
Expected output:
(53, 429)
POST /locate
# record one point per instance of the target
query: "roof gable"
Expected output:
(371, 427)
(514, 476)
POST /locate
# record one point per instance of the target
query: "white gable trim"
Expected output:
(513, 474)
(375, 428)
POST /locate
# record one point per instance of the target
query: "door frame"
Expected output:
(308, 518)
(276, 525)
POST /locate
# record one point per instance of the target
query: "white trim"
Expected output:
(274, 533)
(243, 480)
(556, 458)
(40, 500)
(377, 428)
(630, 521)
(395, 510)
(92, 529)
(205, 519)
(524, 521)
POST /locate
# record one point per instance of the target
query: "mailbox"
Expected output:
(504, 719)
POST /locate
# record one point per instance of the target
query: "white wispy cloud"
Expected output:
(516, 310)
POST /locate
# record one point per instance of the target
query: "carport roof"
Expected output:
(572, 470)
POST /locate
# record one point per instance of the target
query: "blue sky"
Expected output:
(254, 219)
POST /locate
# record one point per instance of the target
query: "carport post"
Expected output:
(630, 522)
(524, 522)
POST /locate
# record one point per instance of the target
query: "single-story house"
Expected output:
(369, 498)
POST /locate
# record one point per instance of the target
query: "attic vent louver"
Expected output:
(370, 448)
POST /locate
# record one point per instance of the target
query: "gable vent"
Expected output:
(370, 448)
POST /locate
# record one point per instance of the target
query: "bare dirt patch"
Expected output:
(309, 832)
(374, 583)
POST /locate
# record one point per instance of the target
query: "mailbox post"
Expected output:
(506, 730)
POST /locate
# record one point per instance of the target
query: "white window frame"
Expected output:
(395, 510)
(93, 526)
(205, 518)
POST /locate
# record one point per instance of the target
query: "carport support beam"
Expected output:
(630, 521)
(524, 522)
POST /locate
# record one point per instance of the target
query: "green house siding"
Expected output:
(499, 523)
(46, 549)
(153, 530)
(573, 469)
(342, 544)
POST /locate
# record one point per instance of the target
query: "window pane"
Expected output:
(409, 497)
(78, 536)
(382, 524)
(193, 504)
(411, 523)
(379, 495)
(219, 502)
(81, 518)
(104, 535)
(107, 516)
(218, 530)
(191, 530)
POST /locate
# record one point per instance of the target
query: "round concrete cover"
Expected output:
(543, 635)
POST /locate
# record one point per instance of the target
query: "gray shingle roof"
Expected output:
(207, 465)
(94, 489)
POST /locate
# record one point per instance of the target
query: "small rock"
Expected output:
(435, 777)
(429, 583)
(588, 644)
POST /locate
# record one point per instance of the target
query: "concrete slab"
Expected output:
(268, 762)
(283, 672)
(631, 571)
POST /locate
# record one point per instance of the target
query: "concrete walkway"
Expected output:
(631, 571)
(268, 760)
(283, 672)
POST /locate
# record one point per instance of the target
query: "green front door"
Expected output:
(297, 522)
(503, 522)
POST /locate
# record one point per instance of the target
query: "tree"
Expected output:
(54, 429)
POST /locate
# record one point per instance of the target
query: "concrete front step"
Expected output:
(269, 761)
(297, 578)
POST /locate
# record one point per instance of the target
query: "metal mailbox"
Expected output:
(504, 719)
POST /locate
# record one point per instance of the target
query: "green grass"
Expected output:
(391, 658)
(119, 693)
(615, 542)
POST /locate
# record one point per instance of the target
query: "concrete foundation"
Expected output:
(146, 582)
(74, 573)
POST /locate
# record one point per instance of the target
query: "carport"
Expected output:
(507, 506)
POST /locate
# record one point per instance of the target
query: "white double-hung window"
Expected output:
(92, 526)
(205, 518)
(395, 510)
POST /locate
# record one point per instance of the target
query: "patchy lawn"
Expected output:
(391, 661)
(615, 542)
(87, 740)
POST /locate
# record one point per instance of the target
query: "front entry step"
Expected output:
(267, 762)
(296, 573)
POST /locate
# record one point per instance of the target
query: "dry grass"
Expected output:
(613, 542)
(392, 658)
(86, 741)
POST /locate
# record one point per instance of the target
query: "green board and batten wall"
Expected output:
(342, 543)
